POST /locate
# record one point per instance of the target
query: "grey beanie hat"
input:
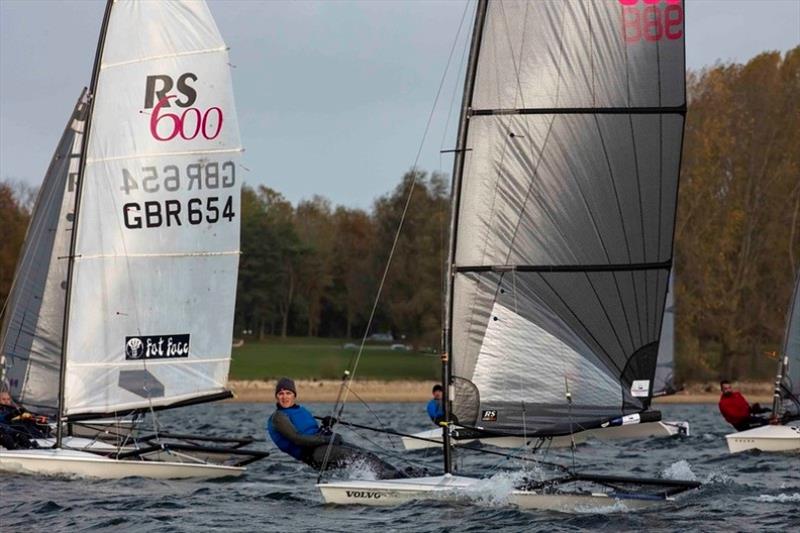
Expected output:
(285, 384)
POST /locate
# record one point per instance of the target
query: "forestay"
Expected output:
(34, 317)
(565, 212)
(156, 253)
(790, 389)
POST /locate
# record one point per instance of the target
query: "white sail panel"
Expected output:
(34, 319)
(512, 345)
(153, 288)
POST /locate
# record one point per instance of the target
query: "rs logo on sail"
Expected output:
(191, 122)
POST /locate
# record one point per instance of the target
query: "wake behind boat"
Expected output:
(564, 198)
(123, 299)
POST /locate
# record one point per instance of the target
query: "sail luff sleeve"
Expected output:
(151, 316)
(569, 188)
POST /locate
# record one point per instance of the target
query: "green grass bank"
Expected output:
(313, 358)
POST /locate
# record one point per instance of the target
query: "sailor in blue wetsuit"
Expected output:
(294, 430)
(435, 405)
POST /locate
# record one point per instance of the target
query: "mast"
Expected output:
(93, 85)
(458, 170)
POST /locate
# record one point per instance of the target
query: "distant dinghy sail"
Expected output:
(34, 316)
(563, 217)
(124, 298)
(790, 365)
(664, 382)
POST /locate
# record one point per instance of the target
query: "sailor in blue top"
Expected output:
(435, 406)
(294, 431)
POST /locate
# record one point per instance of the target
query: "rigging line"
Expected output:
(341, 400)
(453, 97)
(479, 450)
(373, 413)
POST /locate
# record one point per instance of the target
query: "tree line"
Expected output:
(314, 269)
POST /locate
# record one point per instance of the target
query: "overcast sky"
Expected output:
(333, 97)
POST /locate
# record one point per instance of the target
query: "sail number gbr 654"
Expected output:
(157, 213)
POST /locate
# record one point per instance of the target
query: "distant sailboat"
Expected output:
(123, 299)
(564, 198)
(784, 435)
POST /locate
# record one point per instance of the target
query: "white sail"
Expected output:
(33, 326)
(565, 210)
(150, 316)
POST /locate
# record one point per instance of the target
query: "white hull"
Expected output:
(632, 431)
(74, 463)
(395, 491)
(463, 489)
(766, 438)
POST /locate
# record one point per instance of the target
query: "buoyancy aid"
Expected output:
(304, 423)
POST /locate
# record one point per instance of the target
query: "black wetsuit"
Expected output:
(17, 433)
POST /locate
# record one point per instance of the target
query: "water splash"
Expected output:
(496, 489)
(780, 498)
(616, 507)
(719, 478)
(680, 470)
(361, 469)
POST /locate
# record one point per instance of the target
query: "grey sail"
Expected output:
(664, 383)
(790, 387)
(564, 214)
(33, 324)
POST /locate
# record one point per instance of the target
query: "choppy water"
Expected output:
(745, 492)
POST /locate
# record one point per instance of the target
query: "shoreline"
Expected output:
(408, 391)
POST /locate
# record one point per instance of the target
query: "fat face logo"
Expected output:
(489, 415)
(157, 347)
(161, 91)
(134, 348)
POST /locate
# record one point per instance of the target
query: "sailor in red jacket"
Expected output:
(737, 411)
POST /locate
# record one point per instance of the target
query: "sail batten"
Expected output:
(679, 110)
(566, 202)
(163, 56)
